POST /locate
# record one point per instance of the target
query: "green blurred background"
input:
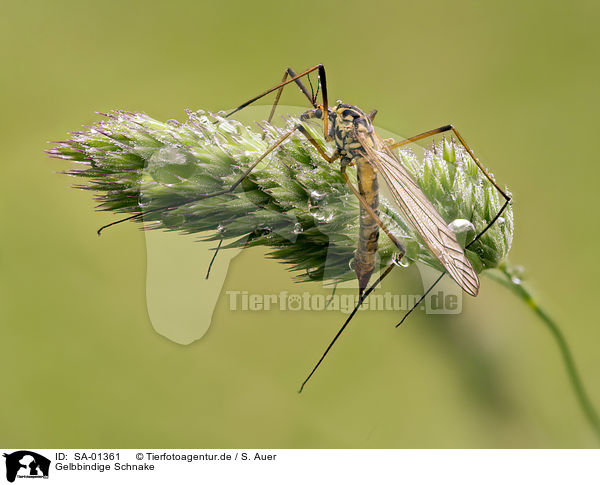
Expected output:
(82, 365)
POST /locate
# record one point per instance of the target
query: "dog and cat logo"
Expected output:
(26, 464)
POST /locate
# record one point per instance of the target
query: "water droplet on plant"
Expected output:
(322, 215)
(298, 228)
(459, 226)
(401, 262)
(517, 274)
(317, 196)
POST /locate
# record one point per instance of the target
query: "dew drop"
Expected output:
(401, 262)
(517, 275)
(459, 226)
(323, 216)
(317, 196)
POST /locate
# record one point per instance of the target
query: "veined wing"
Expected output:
(420, 212)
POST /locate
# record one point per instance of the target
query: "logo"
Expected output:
(26, 464)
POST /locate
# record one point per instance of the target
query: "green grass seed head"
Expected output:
(293, 202)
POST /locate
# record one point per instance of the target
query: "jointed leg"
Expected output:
(507, 198)
(294, 78)
(214, 194)
(290, 72)
(238, 181)
(213, 259)
(329, 158)
(421, 299)
(337, 335)
(444, 272)
(331, 297)
(443, 129)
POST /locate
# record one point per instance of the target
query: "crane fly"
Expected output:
(357, 144)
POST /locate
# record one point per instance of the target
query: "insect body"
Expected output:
(358, 144)
(346, 122)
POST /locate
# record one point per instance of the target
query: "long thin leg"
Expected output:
(444, 273)
(298, 127)
(329, 158)
(337, 335)
(372, 287)
(421, 299)
(507, 198)
(295, 78)
(331, 297)
(443, 129)
(213, 259)
(397, 243)
(290, 72)
(322, 79)
(214, 194)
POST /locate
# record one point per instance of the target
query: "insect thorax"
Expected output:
(347, 122)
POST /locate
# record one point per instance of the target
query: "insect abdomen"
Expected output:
(365, 256)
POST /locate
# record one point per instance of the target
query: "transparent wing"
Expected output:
(420, 212)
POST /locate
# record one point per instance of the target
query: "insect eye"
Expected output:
(318, 113)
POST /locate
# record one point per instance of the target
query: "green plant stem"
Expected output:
(514, 283)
